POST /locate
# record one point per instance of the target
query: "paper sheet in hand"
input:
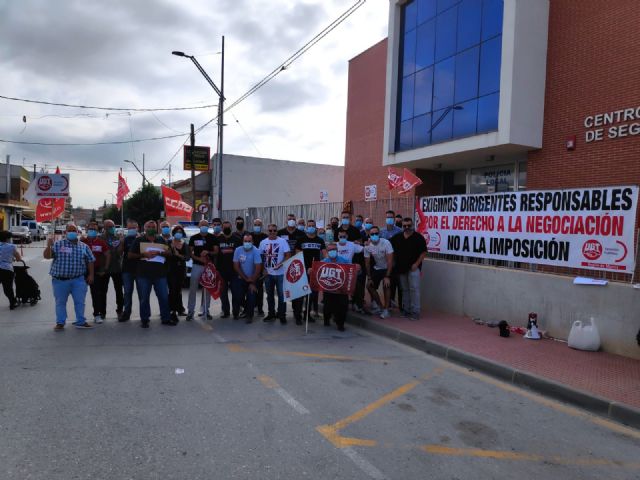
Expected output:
(153, 247)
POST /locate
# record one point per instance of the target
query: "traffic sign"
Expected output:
(370, 193)
(203, 208)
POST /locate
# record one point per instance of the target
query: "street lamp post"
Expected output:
(144, 179)
(220, 93)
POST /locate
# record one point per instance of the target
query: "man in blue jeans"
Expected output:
(247, 264)
(151, 251)
(274, 250)
(128, 269)
(72, 261)
(409, 249)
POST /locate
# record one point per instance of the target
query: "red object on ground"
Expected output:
(604, 374)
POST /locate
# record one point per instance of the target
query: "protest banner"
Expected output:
(334, 277)
(295, 282)
(212, 281)
(590, 228)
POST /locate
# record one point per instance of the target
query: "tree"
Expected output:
(112, 213)
(145, 204)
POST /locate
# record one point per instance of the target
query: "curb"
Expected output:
(592, 403)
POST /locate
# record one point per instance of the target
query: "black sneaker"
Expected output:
(209, 317)
(283, 321)
(59, 327)
(170, 323)
(269, 318)
(124, 317)
(189, 317)
(84, 326)
(144, 324)
(260, 313)
(182, 313)
(225, 315)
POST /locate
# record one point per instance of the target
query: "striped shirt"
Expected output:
(70, 259)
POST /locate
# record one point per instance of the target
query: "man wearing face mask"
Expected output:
(378, 258)
(151, 272)
(247, 264)
(258, 235)
(203, 247)
(409, 248)
(334, 304)
(128, 270)
(216, 224)
(114, 267)
(101, 252)
(390, 231)
(353, 233)
(399, 221)
(335, 224)
(274, 251)
(227, 244)
(313, 248)
(290, 233)
(240, 232)
(165, 231)
(72, 261)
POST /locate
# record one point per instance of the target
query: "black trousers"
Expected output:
(6, 277)
(175, 279)
(99, 291)
(335, 305)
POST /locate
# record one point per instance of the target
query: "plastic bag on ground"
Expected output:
(584, 337)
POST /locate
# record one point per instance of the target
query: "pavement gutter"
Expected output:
(595, 404)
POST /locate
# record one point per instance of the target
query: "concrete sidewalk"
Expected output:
(603, 383)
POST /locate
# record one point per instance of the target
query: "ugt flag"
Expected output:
(296, 283)
(212, 281)
(334, 277)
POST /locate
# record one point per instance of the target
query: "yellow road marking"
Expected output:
(518, 456)
(268, 381)
(234, 347)
(331, 432)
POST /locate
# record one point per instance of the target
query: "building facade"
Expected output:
(14, 181)
(491, 96)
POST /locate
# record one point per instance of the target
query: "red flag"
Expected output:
(212, 281)
(174, 206)
(409, 180)
(394, 179)
(48, 209)
(123, 190)
(333, 277)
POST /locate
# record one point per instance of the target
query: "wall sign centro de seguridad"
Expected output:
(590, 228)
(617, 124)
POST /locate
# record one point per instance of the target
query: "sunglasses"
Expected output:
(271, 230)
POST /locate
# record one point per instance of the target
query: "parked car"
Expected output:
(20, 234)
(36, 230)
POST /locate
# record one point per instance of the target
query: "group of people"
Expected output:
(251, 263)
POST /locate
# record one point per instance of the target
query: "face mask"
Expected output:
(204, 230)
(301, 228)
(257, 228)
(368, 226)
(322, 236)
(247, 245)
(334, 224)
(239, 226)
(92, 233)
(111, 230)
(389, 221)
(166, 230)
(72, 236)
(375, 237)
(399, 224)
(345, 221)
(217, 229)
(151, 232)
(291, 223)
(333, 253)
(132, 232)
(358, 223)
(342, 241)
(226, 231)
(178, 236)
(311, 230)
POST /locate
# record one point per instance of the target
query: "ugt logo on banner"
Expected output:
(296, 283)
(334, 277)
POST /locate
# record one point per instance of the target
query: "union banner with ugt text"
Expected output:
(334, 277)
(589, 228)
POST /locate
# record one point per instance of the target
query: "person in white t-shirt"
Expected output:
(275, 251)
(379, 270)
(347, 249)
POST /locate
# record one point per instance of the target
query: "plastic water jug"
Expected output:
(584, 337)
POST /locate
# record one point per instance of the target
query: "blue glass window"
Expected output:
(450, 57)
(469, 22)
(407, 98)
(492, 11)
(467, 75)
(443, 83)
(488, 112)
(464, 121)
(490, 53)
(423, 91)
(426, 10)
(446, 34)
(426, 42)
(409, 54)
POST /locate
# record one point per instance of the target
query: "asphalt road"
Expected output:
(225, 400)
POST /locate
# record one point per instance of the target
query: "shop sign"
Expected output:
(590, 228)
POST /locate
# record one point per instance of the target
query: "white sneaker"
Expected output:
(385, 314)
(98, 319)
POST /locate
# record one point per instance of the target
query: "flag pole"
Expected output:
(306, 315)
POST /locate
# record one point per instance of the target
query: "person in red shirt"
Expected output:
(100, 250)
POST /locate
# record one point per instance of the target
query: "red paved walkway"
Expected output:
(606, 375)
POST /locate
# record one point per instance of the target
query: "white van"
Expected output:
(37, 232)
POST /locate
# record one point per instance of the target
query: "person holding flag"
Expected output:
(335, 305)
(313, 248)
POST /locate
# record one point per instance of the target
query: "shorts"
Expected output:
(377, 276)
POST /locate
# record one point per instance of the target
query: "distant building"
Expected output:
(14, 181)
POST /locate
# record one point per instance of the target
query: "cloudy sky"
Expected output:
(117, 53)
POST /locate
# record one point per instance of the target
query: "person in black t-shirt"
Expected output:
(313, 248)
(290, 233)
(353, 234)
(227, 243)
(409, 250)
(177, 271)
(240, 231)
(203, 248)
(128, 270)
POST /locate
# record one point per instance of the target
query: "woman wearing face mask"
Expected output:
(176, 264)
